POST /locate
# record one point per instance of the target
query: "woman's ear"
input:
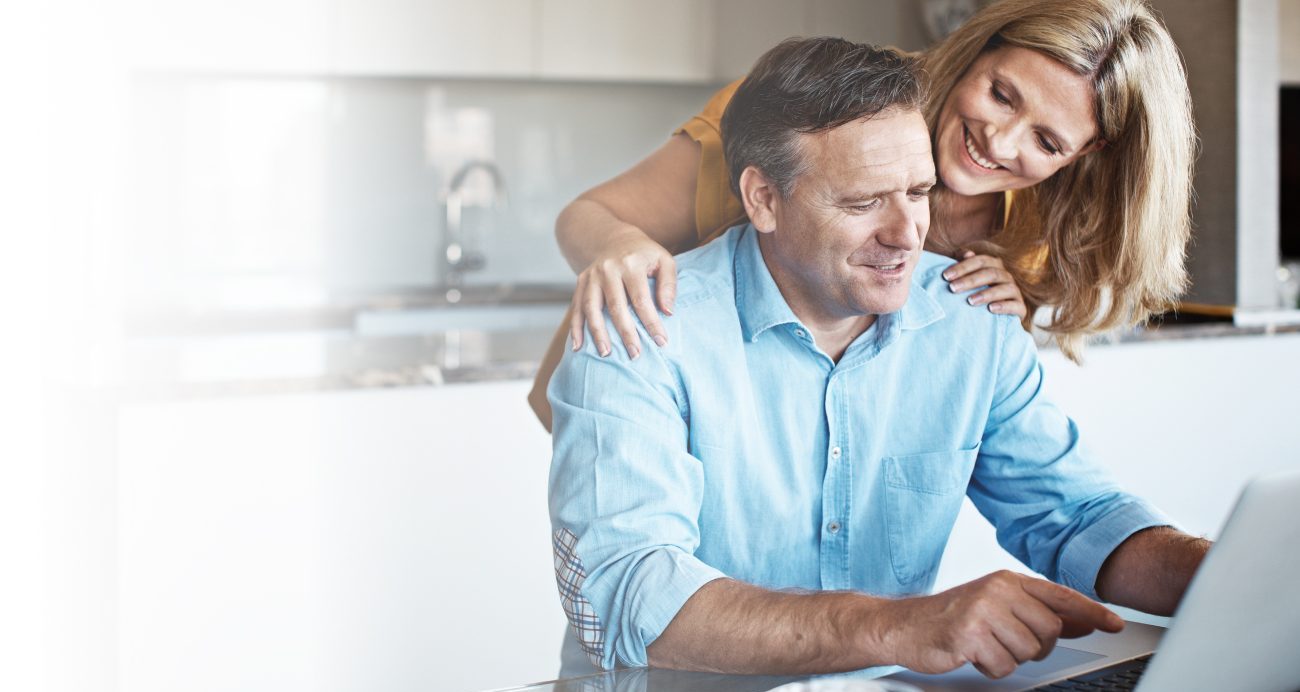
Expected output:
(761, 199)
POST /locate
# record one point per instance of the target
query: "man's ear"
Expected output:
(760, 197)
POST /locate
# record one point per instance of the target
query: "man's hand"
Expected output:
(996, 623)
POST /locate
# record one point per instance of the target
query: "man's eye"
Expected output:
(919, 194)
(864, 206)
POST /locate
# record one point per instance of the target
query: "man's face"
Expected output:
(846, 240)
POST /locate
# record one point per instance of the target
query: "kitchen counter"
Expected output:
(377, 343)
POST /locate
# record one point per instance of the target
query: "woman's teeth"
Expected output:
(975, 155)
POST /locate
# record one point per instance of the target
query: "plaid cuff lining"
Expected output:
(569, 576)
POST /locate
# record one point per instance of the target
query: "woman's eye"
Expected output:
(999, 96)
(1048, 146)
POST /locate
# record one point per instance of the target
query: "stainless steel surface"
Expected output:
(460, 257)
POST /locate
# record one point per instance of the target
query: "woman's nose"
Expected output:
(1002, 140)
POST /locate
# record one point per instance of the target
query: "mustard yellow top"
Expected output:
(716, 208)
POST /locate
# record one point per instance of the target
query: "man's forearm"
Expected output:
(732, 627)
(1151, 569)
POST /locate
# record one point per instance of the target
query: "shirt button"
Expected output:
(798, 333)
(835, 452)
(833, 527)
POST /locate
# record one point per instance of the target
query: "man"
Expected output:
(822, 407)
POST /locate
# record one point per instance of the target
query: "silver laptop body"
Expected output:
(1238, 627)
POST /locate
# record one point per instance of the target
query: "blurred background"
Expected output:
(278, 274)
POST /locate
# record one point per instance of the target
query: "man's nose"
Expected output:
(901, 229)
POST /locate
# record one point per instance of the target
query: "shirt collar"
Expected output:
(761, 305)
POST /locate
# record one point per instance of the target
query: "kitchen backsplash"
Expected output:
(278, 192)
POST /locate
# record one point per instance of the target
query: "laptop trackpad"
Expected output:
(1026, 675)
(1062, 657)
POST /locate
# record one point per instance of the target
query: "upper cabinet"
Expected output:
(633, 40)
(689, 41)
(482, 38)
(239, 36)
(747, 28)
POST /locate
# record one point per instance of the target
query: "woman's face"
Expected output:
(1015, 118)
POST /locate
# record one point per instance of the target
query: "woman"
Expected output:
(1079, 107)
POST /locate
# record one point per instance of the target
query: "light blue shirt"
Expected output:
(742, 450)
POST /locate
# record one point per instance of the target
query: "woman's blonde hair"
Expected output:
(1103, 241)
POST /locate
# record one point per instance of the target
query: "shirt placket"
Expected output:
(835, 491)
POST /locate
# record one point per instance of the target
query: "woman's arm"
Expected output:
(625, 230)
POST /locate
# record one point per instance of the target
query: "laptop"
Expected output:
(1237, 628)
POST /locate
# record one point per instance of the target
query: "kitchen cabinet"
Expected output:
(748, 28)
(632, 40)
(485, 38)
(228, 36)
(392, 539)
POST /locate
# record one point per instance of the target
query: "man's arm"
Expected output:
(1151, 569)
(995, 623)
(1055, 508)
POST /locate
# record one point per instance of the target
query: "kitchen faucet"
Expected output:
(458, 259)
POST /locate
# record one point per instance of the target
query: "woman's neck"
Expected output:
(965, 220)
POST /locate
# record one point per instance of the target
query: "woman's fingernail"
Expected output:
(633, 353)
(974, 300)
(955, 288)
(947, 275)
(995, 308)
(660, 340)
(604, 351)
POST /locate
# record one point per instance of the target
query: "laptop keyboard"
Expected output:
(1121, 676)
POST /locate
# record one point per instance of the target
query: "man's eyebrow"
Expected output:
(1004, 82)
(859, 195)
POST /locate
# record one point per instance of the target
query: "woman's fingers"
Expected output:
(666, 284)
(1004, 299)
(621, 316)
(593, 313)
(576, 319)
(986, 276)
(621, 286)
(638, 291)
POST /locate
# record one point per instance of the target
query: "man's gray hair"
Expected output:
(807, 86)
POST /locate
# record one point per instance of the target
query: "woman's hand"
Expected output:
(617, 279)
(1001, 293)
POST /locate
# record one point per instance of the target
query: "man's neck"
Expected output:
(831, 331)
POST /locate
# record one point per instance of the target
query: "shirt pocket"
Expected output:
(923, 493)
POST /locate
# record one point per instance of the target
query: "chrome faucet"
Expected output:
(458, 258)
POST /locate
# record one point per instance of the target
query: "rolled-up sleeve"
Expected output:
(1055, 509)
(625, 499)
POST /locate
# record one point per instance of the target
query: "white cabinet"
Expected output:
(484, 38)
(635, 40)
(337, 541)
(235, 36)
(748, 28)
